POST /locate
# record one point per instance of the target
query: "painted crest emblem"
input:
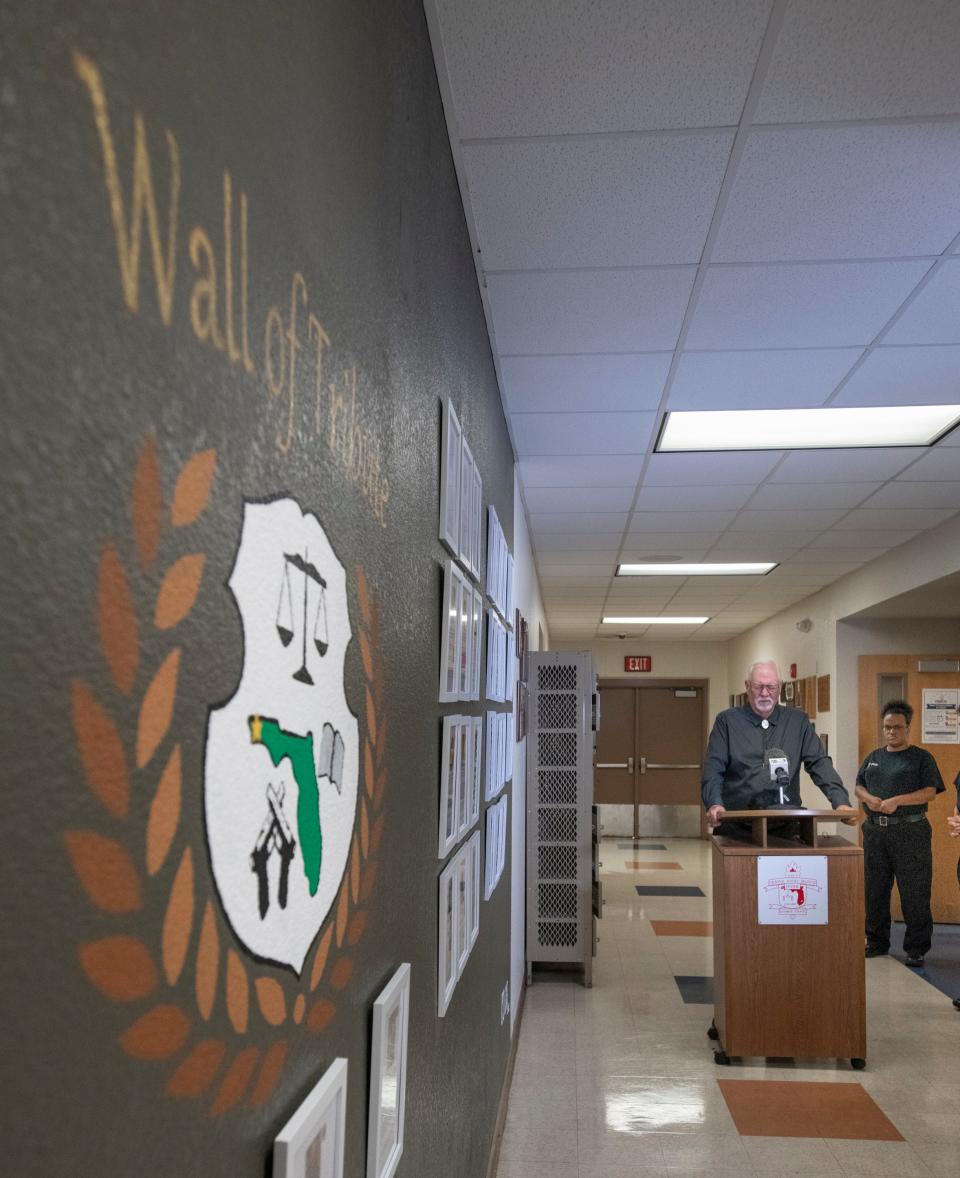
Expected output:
(282, 755)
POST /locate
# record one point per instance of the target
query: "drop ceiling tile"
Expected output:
(905, 376)
(798, 305)
(682, 498)
(915, 494)
(604, 560)
(595, 202)
(697, 470)
(932, 316)
(646, 545)
(889, 517)
(521, 69)
(558, 581)
(577, 541)
(937, 463)
(772, 521)
(610, 470)
(863, 59)
(786, 379)
(544, 522)
(681, 521)
(737, 546)
(812, 577)
(581, 433)
(651, 585)
(568, 384)
(589, 311)
(571, 572)
(863, 538)
(861, 553)
(871, 464)
(794, 191)
(785, 495)
(590, 499)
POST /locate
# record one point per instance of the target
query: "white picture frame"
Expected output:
(490, 774)
(475, 887)
(476, 735)
(476, 637)
(450, 634)
(508, 591)
(464, 774)
(508, 744)
(496, 846)
(451, 445)
(476, 530)
(447, 938)
(312, 1142)
(464, 639)
(493, 552)
(388, 1076)
(465, 541)
(449, 776)
(464, 905)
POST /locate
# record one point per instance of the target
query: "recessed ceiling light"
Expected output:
(699, 569)
(654, 621)
(806, 429)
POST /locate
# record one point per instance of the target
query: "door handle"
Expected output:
(629, 764)
(655, 765)
(615, 764)
(643, 764)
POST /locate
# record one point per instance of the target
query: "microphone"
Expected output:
(778, 767)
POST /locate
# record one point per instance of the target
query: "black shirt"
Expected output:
(733, 768)
(887, 774)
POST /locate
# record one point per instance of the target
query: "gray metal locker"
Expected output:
(561, 844)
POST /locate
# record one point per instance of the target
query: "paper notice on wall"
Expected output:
(792, 890)
(940, 715)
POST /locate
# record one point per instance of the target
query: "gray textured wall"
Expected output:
(328, 119)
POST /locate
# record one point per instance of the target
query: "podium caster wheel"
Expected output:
(713, 1033)
(721, 1057)
(858, 1064)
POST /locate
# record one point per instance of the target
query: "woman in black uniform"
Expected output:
(954, 824)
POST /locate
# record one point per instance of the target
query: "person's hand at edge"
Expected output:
(715, 816)
(851, 811)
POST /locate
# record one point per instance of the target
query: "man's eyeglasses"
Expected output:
(765, 688)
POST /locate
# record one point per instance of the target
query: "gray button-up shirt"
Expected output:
(733, 769)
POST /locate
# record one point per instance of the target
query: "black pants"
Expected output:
(898, 852)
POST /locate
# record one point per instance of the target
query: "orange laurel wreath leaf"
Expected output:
(157, 1035)
(365, 653)
(192, 491)
(320, 1015)
(371, 718)
(320, 961)
(195, 1075)
(273, 1005)
(269, 1074)
(355, 871)
(178, 592)
(369, 882)
(156, 711)
(238, 993)
(357, 927)
(164, 813)
(101, 750)
(208, 963)
(299, 1006)
(341, 973)
(178, 920)
(147, 503)
(364, 827)
(342, 909)
(368, 767)
(235, 1081)
(117, 621)
(376, 836)
(105, 870)
(121, 968)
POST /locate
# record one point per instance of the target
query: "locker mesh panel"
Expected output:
(557, 711)
(557, 678)
(556, 862)
(557, 826)
(557, 748)
(557, 934)
(557, 900)
(557, 787)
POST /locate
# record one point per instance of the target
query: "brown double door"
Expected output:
(649, 753)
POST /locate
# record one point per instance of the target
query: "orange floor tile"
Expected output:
(644, 866)
(805, 1108)
(682, 928)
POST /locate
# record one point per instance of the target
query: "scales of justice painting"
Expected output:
(282, 755)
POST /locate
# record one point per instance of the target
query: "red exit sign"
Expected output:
(637, 662)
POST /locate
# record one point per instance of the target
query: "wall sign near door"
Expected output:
(638, 662)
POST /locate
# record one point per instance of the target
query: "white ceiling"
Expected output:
(710, 204)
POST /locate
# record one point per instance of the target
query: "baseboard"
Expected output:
(505, 1090)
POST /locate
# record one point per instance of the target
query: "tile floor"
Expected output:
(619, 1080)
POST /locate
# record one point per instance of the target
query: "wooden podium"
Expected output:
(787, 989)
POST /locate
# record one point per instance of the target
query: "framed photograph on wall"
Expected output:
(311, 1143)
(450, 634)
(464, 904)
(476, 640)
(464, 774)
(451, 446)
(476, 760)
(476, 525)
(493, 552)
(489, 792)
(467, 468)
(449, 776)
(473, 849)
(464, 638)
(447, 938)
(388, 1076)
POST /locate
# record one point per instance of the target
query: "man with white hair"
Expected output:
(736, 768)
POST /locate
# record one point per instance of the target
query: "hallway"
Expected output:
(619, 1080)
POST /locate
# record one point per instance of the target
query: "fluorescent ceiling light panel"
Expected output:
(806, 429)
(654, 621)
(699, 569)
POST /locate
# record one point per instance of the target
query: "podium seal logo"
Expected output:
(282, 754)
